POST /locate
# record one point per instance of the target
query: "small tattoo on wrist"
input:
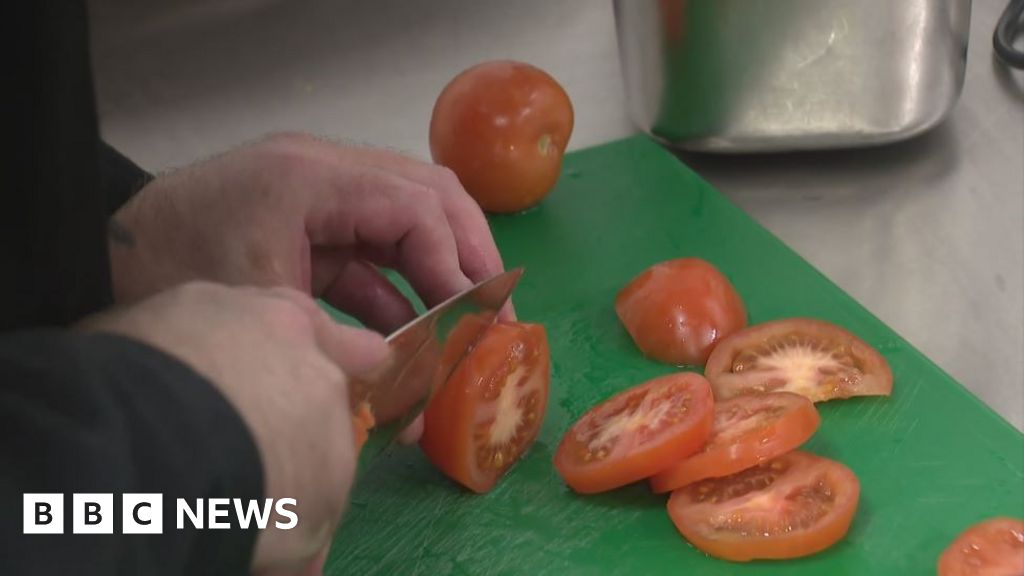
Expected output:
(119, 234)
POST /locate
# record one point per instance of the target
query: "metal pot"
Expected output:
(769, 75)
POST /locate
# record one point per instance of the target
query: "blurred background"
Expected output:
(927, 234)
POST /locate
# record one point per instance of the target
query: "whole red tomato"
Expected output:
(502, 127)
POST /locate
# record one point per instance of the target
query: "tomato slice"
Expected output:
(748, 430)
(990, 548)
(490, 410)
(677, 311)
(812, 358)
(795, 505)
(635, 433)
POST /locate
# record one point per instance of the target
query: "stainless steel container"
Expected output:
(769, 75)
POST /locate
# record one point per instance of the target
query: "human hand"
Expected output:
(293, 210)
(282, 363)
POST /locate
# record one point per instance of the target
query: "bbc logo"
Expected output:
(92, 514)
(143, 513)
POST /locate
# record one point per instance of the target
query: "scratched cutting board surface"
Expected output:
(931, 459)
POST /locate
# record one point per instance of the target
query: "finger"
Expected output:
(382, 209)
(355, 350)
(412, 432)
(381, 256)
(507, 312)
(326, 262)
(478, 254)
(479, 257)
(361, 290)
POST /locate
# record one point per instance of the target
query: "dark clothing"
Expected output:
(89, 413)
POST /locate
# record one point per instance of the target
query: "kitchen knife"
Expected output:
(424, 353)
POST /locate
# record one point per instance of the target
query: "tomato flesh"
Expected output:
(813, 358)
(748, 430)
(677, 311)
(503, 128)
(488, 413)
(795, 505)
(994, 547)
(636, 433)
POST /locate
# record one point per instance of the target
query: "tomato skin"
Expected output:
(510, 357)
(729, 451)
(642, 449)
(734, 528)
(502, 127)
(734, 366)
(994, 547)
(677, 311)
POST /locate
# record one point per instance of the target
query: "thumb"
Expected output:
(356, 351)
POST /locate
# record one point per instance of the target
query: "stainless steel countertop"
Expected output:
(927, 234)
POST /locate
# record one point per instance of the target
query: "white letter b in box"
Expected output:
(92, 514)
(43, 513)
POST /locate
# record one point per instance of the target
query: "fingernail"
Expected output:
(507, 312)
(376, 357)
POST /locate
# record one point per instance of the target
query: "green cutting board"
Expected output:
(932, 458)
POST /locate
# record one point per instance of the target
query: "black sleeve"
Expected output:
(90, 413)
(59, 182)
(120, 178)
(94, 413)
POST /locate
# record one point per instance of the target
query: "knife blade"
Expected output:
(424, 353)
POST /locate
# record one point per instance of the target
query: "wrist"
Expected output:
(121, 243)
(135, 268)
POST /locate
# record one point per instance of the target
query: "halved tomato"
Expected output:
(748, 430)
(990, 548)
(677, 311)
(812, 358)
(792, 506)
(489, 411)
(635, 433)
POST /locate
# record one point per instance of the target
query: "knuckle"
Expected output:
(288, 154)
(447, 178)
(286, 138)
(429, 198)
(289, 162)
